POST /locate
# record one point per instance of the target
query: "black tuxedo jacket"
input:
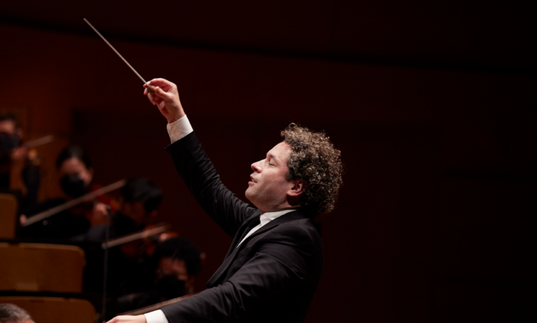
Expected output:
(271, 276)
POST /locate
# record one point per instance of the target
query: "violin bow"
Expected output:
(84, 198)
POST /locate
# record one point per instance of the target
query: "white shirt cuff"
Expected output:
(179, 128)
(156, 317)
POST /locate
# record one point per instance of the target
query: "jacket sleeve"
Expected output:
(283, 260)
(201, 178)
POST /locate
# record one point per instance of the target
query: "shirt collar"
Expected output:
(269, 216)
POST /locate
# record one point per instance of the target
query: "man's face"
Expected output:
(267, 188)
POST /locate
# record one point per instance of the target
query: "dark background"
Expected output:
(431, 103)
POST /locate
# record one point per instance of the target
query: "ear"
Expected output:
(297, 188)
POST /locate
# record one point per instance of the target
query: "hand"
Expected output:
(128, 319)
(18, 157)
(98, 214)
(166, 98)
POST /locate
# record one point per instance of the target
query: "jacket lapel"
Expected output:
(243, 230)
(252, 222)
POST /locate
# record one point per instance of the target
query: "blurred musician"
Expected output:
(19, 170)
(175, 263)
(75, 174)
(138, 207)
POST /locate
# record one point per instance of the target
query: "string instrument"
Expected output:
(141, 243)
(38, 142)
(84, 200)
(138, 244)
(29, 155)
(21, 162)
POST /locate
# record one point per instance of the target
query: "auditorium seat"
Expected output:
(8, 215)
(54, 309)
(38, 267)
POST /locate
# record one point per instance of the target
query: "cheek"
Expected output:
(277, 181)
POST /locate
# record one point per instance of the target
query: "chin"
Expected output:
(249, 197)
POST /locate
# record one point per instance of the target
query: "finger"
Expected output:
(166, 96)
(151, 98)
(159, 95)
(162, 83)
(158, 80)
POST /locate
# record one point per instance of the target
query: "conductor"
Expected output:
(274, 263)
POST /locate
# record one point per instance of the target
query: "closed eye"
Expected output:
(269, 160)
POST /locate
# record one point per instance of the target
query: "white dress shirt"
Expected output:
(177, 130)
(264, 219)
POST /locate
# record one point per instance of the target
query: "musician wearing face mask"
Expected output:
(19, 166)
(75, 174)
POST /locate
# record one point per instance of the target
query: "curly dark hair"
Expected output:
(315, 160)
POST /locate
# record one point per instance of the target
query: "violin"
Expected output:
(141, 243)
(95, 196)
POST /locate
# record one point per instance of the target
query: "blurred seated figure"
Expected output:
(176, 261)
(11, 313)
(138, 207)
(19, 166)
(179, 258)
(75, 174)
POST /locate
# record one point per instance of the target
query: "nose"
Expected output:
(256, 167)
